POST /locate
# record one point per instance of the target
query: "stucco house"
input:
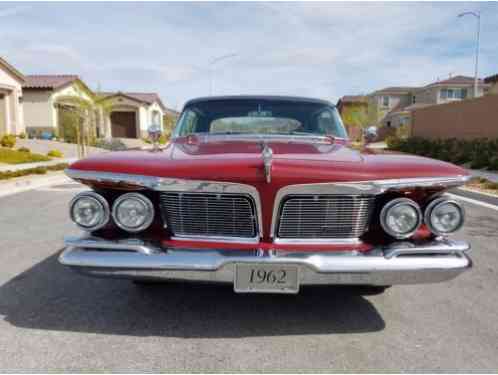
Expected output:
(129, 114)
(47, 97)
(393, 106)
(11, 97)
(354, 110)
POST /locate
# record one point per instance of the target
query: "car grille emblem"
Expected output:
(267, 155)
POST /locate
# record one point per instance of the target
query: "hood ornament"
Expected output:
(267, 155)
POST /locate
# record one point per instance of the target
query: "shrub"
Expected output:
(163, 139)
(8, 140)
(55, 154)
(480, 153)
(112, 145)
(24, 149)
(10, 156)
(22, 135)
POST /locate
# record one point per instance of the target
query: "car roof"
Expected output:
(296, 99)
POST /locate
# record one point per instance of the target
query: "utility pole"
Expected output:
(477, 15)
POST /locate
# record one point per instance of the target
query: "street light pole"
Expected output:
(211, 70)
(478, 16)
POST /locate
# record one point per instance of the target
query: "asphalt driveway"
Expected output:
(54, 319)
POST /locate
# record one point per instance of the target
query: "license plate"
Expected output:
(264, 278)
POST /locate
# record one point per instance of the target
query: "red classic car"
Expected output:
(265, 193)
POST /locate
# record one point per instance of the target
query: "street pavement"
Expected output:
(52, 319)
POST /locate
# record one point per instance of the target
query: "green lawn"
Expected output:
(9, 156)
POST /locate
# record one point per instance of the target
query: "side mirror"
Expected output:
(370, 134)
(155, 133)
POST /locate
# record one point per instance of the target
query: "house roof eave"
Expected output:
(16, 73)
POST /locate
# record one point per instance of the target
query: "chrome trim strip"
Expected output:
(175, 185)
(134, 245)
(315, 268)
(317, 241)
(243, 240)
(441, 246)
(374, 187)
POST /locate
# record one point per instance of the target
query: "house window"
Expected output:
(389, 124)
(385, 101)
(414, 99)
(453, 94)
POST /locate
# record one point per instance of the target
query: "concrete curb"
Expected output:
(21, 184)
(19, 167)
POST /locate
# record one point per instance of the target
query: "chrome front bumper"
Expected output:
(402, 263)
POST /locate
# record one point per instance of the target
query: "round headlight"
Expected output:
(444, 216)
(89, 210)
(401, 217)
(133, 212)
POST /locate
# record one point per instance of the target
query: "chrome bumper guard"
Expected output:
(401, 263)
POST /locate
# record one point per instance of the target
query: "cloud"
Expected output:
(14, 10)
(316, 49)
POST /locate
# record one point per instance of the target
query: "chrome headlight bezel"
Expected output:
(438, 202)
(395, 203)
(101, 201)
(146, 201)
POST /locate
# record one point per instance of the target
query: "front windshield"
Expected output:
(262, 117)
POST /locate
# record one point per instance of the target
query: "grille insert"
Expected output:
(322, 216)
(209, 215)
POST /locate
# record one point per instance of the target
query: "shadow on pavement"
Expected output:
(49, 296)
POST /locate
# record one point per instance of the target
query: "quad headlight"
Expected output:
(133, 212)
(401, 218)
(89, 211)
(444, 216)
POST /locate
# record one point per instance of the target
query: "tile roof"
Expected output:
(143, 97)
(396, 90)
(48, 81)
(13, 70)
(456, 80)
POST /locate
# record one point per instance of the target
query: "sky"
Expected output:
(323, 50)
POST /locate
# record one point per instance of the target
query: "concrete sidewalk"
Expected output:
(19, 167)
(21, 184)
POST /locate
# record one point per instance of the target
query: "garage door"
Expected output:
(123, 124)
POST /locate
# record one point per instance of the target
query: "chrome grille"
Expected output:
(325, 216)
(210, 215)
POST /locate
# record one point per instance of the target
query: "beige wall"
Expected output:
(467, 119)
(38, 109)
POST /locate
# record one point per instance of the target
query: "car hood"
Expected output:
(295, 162)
